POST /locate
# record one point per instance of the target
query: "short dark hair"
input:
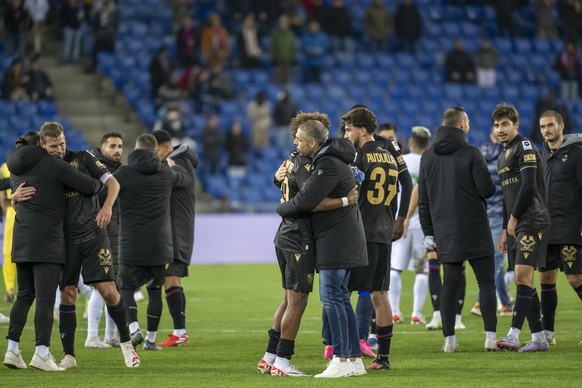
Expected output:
(362, 118)
(162, 136)
(388, 127)
(315, 130)
(301, 118)
(505, 111)
(554, 114)
(453, 116)
(110, 134)
(29, 138)
(51, 129)
(146, 142)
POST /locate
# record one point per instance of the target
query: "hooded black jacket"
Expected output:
(339, 236)
(144, 205)
(563, 181)
(39, 226)
(182, 206)
(452, 186)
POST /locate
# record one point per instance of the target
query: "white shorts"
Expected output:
(409, 253)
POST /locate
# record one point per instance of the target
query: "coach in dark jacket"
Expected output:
(453, 184)
(38, 246)
(146, 231)
(340, 242)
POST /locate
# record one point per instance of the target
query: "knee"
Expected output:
(108, 292)
(69, 295)
(575, 280)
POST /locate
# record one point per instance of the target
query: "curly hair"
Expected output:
(302, 118)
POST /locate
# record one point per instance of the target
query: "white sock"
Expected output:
(372, 336)
(13, 346)
(458, 318)
(110, 328)
(451, 340)
(179, 332)
(538, 337)
(42, 351)
(282, 361)
(84, 289)
(57, 300)
(270, 358)
(151, 336)
(133, 327)
(95, 310)
(395, 291)
(490, 335)
(420, 292)
(514, 333)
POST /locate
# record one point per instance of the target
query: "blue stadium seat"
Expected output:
(26, 109)
(47, 107)
(7, 109)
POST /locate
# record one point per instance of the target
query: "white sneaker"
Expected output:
(96, 343)
(4, 318)
(550, 337)
(436, 323)
(69, 362)
(47, 364)
(139, 296)
(14, 360)
(491, 345)
(287, 370)
(358, 366)
(113, 342)
(459, 323)
(336, 368)
(129, 355)
(450, 348)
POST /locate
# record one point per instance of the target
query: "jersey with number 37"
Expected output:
(377, 191)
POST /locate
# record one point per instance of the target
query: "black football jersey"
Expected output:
(520, 154)
(377, 191)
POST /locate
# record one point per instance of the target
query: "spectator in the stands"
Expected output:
(37, 9)
(213, 143)
(249, 49)
(546, 25)
(237, 146)
(221, 83)
(72, 16)
(189, 80)
(459, 65)
(186, 42)
(314, 10)
(285, 110)
(259, 114)
(338, 26)
(315, 46)
(378, 25)
(173, 124)
(504, 13)
(486, 58)
(169, 95)
(39, 84)
(104, 27)
(568, 65)
(215, 43)
(283, 50)
(16, 23)
(15, 82)
(407, 25)
(160, 69)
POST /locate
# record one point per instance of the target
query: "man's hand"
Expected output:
(429, 243)
(170, 162)
(281, 172)
(353, 196)
(398, 229)
(511, 226)
(103, 217)
(502, 242)
(23, 193)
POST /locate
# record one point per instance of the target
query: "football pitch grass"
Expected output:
(230, 308)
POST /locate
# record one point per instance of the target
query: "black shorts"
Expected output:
(177, 268)
(567, 258)
(92, 258)
(297, 269)
(529, 248)
(376, 275)
(132, 277)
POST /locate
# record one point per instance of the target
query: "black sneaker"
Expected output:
(151, 346)
(136, 338)
(379, 365)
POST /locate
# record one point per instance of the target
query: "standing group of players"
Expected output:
(378, 167)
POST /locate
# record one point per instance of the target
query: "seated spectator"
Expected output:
(568, 65)
(459, 65)
(486, 58)
(259, 114)
(169, 95)
(249, 50)
(160, 69)
(213, 143)
(39, 85)
(186, 43)
(546, 25)
(285, 110)
(315, 47)
(237, 146)
(15, 82)
(215, 43)
(104, 28)
(203, 97)
(221, 83)
(407, 25)
(338, 26)
(314, 10)
(283, 50)
(377, 25)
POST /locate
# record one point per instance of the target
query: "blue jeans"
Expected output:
(334, 295)
(496, 225)
(71, 44)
